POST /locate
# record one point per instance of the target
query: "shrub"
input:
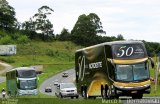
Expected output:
(22, 39)
(6, 40)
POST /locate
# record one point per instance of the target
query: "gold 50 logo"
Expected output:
(125, 51)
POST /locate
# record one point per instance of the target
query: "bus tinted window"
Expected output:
(28, 84)
(129, 51)
(26, 73)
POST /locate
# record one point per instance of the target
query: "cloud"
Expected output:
(135, 19)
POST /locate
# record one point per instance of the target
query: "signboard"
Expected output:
(129, 51)
(7, 49)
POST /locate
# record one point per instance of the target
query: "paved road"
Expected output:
(50, 82)
(6, 68)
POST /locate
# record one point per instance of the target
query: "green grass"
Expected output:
(154, 92)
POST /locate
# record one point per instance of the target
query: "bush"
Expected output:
(22, 39)
(6, 40)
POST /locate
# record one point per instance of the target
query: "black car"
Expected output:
(48, 89)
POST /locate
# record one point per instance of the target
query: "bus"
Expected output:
(113, 69)
(21, 81)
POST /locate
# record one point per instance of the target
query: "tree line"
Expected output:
(88, 29)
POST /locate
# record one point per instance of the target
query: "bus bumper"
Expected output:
(27, 92)
(120, 90)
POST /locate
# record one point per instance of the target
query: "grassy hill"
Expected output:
(36, 52)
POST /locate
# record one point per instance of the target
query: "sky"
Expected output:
(134, 19)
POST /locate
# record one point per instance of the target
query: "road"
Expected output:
(6, 68)
(50, 82)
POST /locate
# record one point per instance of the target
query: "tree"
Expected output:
(7, 16)
(29, 25)
(42, 23)
(120, 37)
(152, 47)
(86, 29)
(28, 28)
(65, 35)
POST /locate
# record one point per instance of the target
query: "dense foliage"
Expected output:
(88, 29)
(7, 16)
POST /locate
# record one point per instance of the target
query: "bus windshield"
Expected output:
(28, 84)
(136, 72)
(26, 73)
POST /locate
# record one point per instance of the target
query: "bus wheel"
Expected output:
(104, 91)
(84, 92)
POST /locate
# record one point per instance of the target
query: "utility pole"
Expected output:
(157, 70)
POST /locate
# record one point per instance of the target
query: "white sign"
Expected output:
(95, 65)
(7, 49)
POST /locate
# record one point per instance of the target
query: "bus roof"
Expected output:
(111, 43)
(22, 68)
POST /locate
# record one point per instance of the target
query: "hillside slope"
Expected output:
(37, 52)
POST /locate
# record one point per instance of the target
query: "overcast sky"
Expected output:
(134, 19)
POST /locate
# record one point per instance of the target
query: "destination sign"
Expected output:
(129, 51)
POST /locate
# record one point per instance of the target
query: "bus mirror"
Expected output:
(152, 62)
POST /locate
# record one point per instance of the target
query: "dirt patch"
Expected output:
(1, 67)
(6, 67)
(38, 69)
